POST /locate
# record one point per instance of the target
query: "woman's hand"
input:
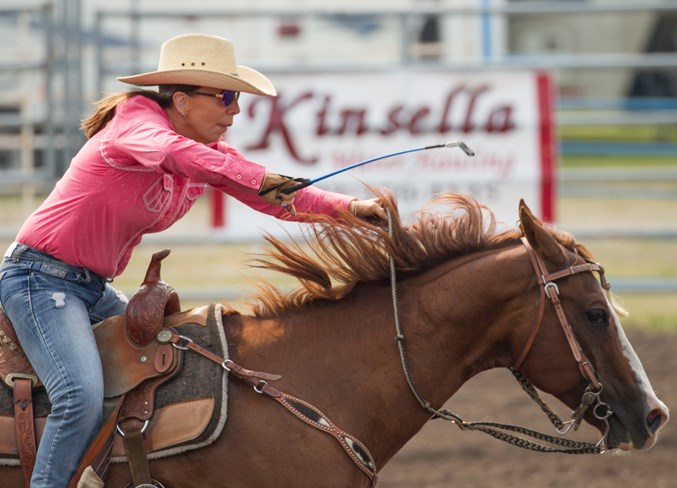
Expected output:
(271, 191)
(367, 209)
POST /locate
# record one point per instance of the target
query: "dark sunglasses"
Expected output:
(227, 96)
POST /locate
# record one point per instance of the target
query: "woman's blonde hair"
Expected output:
(104, 109)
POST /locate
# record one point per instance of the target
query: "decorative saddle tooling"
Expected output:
(158, 416)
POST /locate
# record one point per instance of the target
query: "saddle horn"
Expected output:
(152, 302)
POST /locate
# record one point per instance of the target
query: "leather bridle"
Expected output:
(591, 397)
(548, 288)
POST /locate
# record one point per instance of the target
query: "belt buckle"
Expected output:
(10, 250)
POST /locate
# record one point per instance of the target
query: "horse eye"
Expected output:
(597, 316)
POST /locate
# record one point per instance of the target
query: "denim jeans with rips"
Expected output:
(53, 306)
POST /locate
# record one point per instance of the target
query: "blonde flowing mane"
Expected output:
(336, 255)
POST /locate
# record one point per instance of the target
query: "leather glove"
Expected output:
(271, 191)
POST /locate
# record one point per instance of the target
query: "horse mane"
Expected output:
(334, 255)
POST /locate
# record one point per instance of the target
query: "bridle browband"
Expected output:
(590, 397)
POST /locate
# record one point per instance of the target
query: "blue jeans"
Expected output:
(53, 306)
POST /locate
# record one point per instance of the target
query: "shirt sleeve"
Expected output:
(141, 135)
(309, 200)
(146, 138)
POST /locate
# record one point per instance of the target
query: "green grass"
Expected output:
(635, 257)
(618, 133)
(614, 161)
(621, 133)
(656, 311)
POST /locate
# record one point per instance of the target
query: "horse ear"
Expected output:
(540, 239)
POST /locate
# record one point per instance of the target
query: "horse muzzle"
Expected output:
(647, 436)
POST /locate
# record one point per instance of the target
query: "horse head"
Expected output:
(580, 345)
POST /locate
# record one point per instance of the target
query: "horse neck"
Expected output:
(465, 316)
(457, 320)
(342, 356)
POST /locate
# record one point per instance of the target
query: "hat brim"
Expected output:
(246, 80)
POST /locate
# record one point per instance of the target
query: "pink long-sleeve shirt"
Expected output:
(138, 176)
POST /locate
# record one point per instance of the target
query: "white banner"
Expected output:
(323, 122)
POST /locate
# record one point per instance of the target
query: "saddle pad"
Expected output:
(200, 383)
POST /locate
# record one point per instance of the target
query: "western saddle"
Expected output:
(135, 363)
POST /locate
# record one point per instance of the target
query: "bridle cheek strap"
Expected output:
(549, 288)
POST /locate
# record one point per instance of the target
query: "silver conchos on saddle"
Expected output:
(164, 336)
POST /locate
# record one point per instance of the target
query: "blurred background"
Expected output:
(584, 94)
(612, 111)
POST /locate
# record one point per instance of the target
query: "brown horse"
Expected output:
(468, 300)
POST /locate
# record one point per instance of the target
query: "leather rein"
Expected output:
(590, 398)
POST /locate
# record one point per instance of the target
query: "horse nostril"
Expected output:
(653, 421)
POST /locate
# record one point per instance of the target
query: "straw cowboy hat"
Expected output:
(202, 60)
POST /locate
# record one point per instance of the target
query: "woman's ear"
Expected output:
(181, 102)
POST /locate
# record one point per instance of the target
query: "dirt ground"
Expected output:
(442, 456)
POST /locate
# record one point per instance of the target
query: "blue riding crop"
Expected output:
(304, 182)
